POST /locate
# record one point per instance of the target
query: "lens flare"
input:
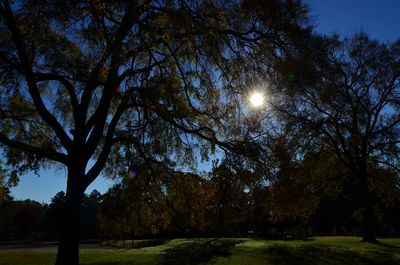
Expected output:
(256, 99)
(133, 173)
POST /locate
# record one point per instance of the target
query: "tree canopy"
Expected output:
(102, 81)
(350, 104)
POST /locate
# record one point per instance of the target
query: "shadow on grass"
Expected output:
(135, 244)
(387, 245)
(105, 263)
(198, 251)
(147, 243)
(313, 254)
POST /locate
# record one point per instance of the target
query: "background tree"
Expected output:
(4, 190)
(187, 198)
(352, 100)
(27, 219)
(90, 210)
(77, 78)
(292, 196)
(110, 222)
(228, 200)
(21, 219)
(55, 214)
(141, 204)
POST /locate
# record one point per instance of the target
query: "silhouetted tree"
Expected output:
(141, 207)
(292, 196)
(351, 99)
(78, 79)
(228, 201)
(4, 191)
(187, 197)
(55, 214)
(90, 211)
(21, 219)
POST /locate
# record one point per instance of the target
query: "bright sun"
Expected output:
(256, 99)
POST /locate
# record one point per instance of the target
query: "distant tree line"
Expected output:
(31, 220)
(309, 197)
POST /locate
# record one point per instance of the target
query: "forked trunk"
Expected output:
(68, 248)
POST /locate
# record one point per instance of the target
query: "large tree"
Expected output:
(83, 80)
(348, 99)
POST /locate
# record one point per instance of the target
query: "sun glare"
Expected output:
(256, 99)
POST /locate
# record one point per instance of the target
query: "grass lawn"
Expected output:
(318, 250)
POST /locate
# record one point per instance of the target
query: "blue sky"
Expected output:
(379, 18)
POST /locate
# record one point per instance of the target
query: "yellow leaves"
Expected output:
(99, 5)
(103, 74)
(16, 103)
(65, 24)
(146, 7)
(165, 37)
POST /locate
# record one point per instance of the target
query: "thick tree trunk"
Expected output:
(339, 231)
(368, 222)
(368, 228)
(68, 248)
(221, 221)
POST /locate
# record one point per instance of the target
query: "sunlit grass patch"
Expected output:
(228, 251)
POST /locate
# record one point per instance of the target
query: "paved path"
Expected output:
(26, 245)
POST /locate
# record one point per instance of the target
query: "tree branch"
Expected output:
(31, 80)
(109, 141)
(43, 152)
(68, 86)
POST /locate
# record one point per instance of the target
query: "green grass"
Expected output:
(318, 250)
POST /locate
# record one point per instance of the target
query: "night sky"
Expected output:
(380, 19)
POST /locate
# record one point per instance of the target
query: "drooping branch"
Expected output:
(48, 153)
(199, 132)
(31, 80)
